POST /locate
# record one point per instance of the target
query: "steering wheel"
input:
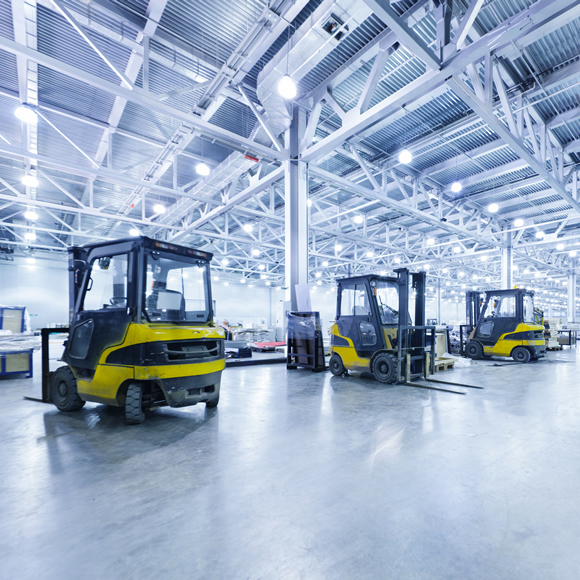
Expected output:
(118, 300)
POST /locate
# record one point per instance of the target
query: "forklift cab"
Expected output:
(370, 333)
(141, 330)
(507, 327)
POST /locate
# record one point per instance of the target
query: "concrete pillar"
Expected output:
(296, 210)
(572, 295)
(507, 262)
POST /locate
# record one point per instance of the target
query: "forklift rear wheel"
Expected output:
(385, 367)
(134, 405)
(474, 350)
(64, 390)
(336, 365)
(521, 354)
(213, 402)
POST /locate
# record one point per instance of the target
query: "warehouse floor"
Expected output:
(301, 475)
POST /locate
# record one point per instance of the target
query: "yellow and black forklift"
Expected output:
(141, 329)
(504, 323)
(373, 331)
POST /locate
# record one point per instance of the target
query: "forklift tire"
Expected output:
(521, 354)
(474, 350)
(336, 366)
(134, 405)
(213, 402)
(385, 368)
(63, 390)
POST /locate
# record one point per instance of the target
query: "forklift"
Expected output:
(370, 335)
(504, 323)
(141, 329)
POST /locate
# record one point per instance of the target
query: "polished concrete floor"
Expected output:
(302, 475)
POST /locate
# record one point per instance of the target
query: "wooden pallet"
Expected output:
(444, 364)
(559, 347)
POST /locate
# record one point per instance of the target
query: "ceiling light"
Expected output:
(325, 263)
(572, 253)
(202, 169)
(287, 87)
(560, 247)
(248, 228)
(484, 258)
(383, 272)
(445, 270)
(30, 236)
(216, 278)
(475, 277)
(31, 215)
(338, 247)
(268, 283)
(430, 241)
(519, 223)
(26, 114)
(526, 271)
(405, 156)
(225, 262)
(226, 283)
(135, 232)
(243, 281)
(492, 207)
(359, 219)
(540, 234)
(263, 276)
(319, 283)
(261, 267)
(456, 187)
(397, 260)
(370, 254)
(427, 266)
(456, 249)
(30, 181)
(255, 252)
(159, 208)
(318, 274)
(461, 274)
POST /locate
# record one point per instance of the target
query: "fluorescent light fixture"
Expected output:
(263, 276)
(159, 208)
(456, 187)
(261, 267)
(225, 262)
(484, 258)
(397, 260)
(202, 169)
(30, 236)
(445, 270)
(492, 207)
(255, 252)
(325, 263)
(135, 232)
(31, 215)
(370, 254)
(540, 234)
(248, 228)
(560, 246)
(287, 87)
(30, 181)
(338, 247)
(430, 241)
(519, 223)
(26, 114)
(359, 219)
(405, 156)
(456, 249)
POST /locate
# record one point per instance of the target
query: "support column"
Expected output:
(296, 209)
(507, 262)
(572, 295)
(438, 300)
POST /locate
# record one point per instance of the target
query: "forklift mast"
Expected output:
(77, 265)
(473, 304)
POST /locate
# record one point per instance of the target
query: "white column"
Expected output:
(572, 295)
(296, 209)
(438, 300)
(506, 262)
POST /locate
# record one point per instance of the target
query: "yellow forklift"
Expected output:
(141, 329)
(373, 331)
(504, 323)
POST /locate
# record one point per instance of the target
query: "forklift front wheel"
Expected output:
(474, 350)
(521, 354)
(336, 365)
(63, 389)
(134, 405)
(385, 368)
